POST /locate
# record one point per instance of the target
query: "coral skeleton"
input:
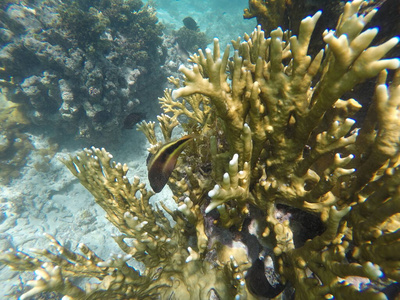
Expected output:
(277, 145)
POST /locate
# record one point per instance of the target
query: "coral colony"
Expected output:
(81, 69)
(274, 149)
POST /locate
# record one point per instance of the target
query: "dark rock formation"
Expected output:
(81, 68)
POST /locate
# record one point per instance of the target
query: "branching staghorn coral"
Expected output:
(288, 14)
(146, 235)
(304, 153)
(271, 132)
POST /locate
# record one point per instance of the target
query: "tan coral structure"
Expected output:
(266, 135)
(270, 14)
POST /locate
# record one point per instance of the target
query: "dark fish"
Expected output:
(190, 23)
(132, 119)
(259, 284)
(161, 164)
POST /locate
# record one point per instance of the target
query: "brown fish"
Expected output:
(161, 164)
(132, 119)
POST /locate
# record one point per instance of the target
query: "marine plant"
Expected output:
(271, 138)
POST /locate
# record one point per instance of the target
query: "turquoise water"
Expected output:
(221, 19)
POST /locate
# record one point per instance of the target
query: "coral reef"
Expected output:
(14, 144)
(269, 14)
(275, 150)
(189, 37)
(81, 68)
(288, 14)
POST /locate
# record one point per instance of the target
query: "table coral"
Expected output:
(274, 146)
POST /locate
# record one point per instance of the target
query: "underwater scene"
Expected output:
(230, 149)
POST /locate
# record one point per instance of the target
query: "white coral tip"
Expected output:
(234, 159)
(373, 270)
(181, 67)
(174, 94)
(226, 178)
(193, 255)
(182, 207)
(394, 63)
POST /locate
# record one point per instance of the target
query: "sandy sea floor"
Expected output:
(51, 200)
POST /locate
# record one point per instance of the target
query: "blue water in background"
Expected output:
(222, 19)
